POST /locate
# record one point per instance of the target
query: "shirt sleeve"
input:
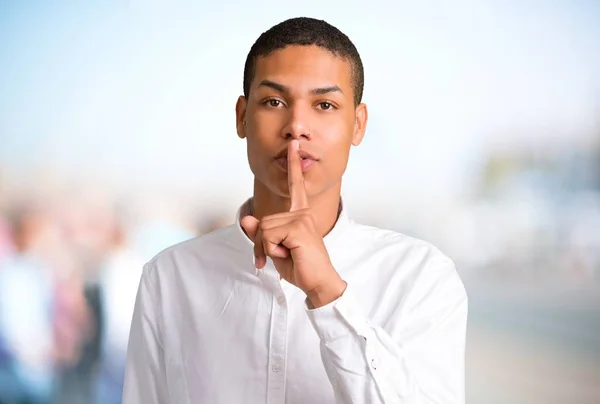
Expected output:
(418, 358)
(145, 378)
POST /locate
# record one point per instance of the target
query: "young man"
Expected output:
(296, 303)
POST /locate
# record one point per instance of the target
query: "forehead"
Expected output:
(303, 67)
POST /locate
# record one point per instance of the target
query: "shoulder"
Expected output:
(398, 246)
(198, 252)
(406, 260)
(415, 280)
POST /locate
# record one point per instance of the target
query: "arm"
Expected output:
(421, 359)
(145, 379)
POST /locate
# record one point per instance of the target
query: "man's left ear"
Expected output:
(360, 125)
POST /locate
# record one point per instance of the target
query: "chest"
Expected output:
(244, 342)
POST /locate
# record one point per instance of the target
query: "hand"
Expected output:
(292, 242)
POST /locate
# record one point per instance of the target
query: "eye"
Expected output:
(273, 103)
(326, 106)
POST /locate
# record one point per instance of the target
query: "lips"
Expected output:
(305, 163)
(308, 160)
(304, 155)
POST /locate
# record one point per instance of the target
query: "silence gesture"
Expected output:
(292, 241)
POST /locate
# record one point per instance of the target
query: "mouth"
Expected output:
(304, 155)
(307, 160)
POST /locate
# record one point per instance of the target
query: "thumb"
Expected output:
(250, 226)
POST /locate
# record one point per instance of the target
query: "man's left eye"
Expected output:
(325, 105)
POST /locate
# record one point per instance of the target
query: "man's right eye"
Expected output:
(273, 103)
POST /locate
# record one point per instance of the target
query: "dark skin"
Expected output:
(301, 104)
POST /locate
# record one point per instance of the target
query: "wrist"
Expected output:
(326, 293)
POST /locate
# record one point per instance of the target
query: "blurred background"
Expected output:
(117, 139)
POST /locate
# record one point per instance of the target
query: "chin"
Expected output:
(280, 188)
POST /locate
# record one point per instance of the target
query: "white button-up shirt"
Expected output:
(208, 328)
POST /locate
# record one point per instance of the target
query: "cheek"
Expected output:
(259, 152)
(336, 130)
(254, 152)
(337, 151)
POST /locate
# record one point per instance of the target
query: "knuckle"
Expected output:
(300, 225)
(307, 219)
(272, 249)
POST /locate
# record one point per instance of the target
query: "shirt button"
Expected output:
(276, 368)
(281, 300)
(374, 364)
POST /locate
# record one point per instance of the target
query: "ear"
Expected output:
(360, 125)
(240, 116)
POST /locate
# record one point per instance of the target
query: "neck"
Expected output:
(324, 206)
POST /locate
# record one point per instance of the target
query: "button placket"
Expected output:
(278, 343)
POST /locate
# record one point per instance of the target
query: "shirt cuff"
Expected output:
(339, 318)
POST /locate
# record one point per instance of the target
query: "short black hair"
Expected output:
(306, 31)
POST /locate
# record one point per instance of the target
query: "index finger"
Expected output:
(296, 178)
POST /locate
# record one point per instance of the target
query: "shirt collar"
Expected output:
(331, 240)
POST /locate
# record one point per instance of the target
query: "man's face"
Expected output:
(304, 93)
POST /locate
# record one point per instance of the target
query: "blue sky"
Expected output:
(148, 88)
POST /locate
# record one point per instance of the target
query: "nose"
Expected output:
(297, 126)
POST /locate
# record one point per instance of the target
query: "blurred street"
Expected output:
(540, 347)
(118, 140)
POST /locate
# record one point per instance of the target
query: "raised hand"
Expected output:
(293, 243)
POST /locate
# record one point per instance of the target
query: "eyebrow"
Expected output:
(285, 90)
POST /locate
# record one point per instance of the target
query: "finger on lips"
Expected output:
(299, 199)
(278, 226)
